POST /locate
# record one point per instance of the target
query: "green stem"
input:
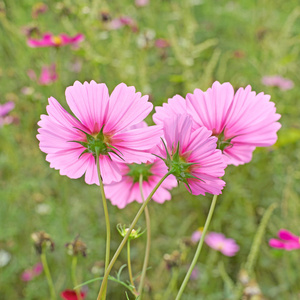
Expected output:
(73, 274)
(198, 251)
(129, 267)
(172, 284)
(48, 275)
(116, 255)
(147, 250)
(107, 252)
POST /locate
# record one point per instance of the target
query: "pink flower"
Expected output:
(50, 40)
(71, 295)
(30, 273)
(240, 121)
(219, 242)
(48, 75)
(161, 43)
(127, 190)
(196, 236)
(4, 110)
(283, 83)
(288, 241)
(101, 124)
(121, 22)
(141, 3)
(191, 156)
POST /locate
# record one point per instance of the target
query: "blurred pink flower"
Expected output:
(161, 43)
(288, 241)
(219, 242)
(30, 273)
(48, 75)
(240, 121)
(283, 83)
(50, 40)
(196, 235)
(199, 162)
(4, 110)
(127, 190)
(101, 123)
(122, 21)
(71, 295)
(141, 3)
(38, 8)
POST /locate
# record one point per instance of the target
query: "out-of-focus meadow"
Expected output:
(166, 48)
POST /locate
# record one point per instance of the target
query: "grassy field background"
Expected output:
(235, 41)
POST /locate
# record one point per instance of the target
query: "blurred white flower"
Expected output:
(4, 258)
(43, 209)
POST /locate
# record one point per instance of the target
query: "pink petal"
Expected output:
(175, 106)
(288, 236)
(89, 102)
(126, 108)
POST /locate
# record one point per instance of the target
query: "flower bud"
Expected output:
(42, 239)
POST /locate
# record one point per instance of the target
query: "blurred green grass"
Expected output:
(236, 41)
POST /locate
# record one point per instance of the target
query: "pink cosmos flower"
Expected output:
(127, 190)
(102, 122)
(48, 75)
(30, 273)
(240, 121)
(283, 83)
(121, 22)
(196, 236)
(50, 40)
(4, 110)
(219, 242)
(288, 241)
(193, 153)
(71, 295)
(141, 3)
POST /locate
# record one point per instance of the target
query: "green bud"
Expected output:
(122, 229)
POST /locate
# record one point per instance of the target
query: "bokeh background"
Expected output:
(162, 48)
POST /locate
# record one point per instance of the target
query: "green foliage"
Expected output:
(236, 41)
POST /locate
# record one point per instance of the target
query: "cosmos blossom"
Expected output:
(283, 83)
(219, 242)
(71, 295)
(30, 273)
(241, 121)
(288, 241)
(50, 40)
(4, 111)
(193, 156)
(101, 124)
(48, 75)
(127, 190)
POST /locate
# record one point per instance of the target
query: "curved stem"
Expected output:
(129, 267)
(148, 244)
(73, 274)
(48, 275)
(107, 251)
(116, 255)
(198, 251)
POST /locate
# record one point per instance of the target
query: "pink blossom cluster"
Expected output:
(193, 139)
